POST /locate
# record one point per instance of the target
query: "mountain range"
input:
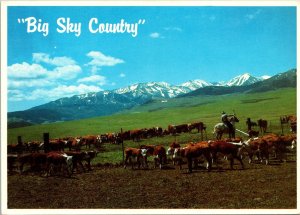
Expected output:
(110, 102)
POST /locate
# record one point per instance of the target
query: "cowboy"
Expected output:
(225, 120)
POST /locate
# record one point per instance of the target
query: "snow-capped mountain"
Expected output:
(195, 84)
(242, 80)
(112, 101)
(162, 89)
(264, 77)
(153, 90)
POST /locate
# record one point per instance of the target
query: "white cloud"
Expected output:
(155, 35)
(51, 94)
(122, 75)
(100, 80)
(61, 91)
(25, 76)
(53, 78)
(56, 61)
(25, 70)
(25, 83)
(100, 60)
(68, 72)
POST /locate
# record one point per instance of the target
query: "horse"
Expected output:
(221, 128)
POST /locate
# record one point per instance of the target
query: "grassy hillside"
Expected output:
(269, 106)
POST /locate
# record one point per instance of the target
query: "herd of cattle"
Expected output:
(54, 159)
(57, 159)
(261, 147)
(76, 143)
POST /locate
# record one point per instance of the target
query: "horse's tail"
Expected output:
(215, 131)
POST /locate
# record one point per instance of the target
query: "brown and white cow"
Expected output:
(193, 151)
(278, 144)
(79, 157)
(73, 143)
(159, 153)
(258, 147)
(53, 145)
(171, 129)
(133, 154)
(231, 150)
(59, 162)
(171, 152)
(158, 131)
(137, 134)
(90, 140)
(37, 161)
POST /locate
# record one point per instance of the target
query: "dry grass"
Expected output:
(257, 186)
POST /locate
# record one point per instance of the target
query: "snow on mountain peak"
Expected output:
(264, 77)
(242, 80)
(195, 84)
(166, 90)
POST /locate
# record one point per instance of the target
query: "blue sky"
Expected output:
(175, 44)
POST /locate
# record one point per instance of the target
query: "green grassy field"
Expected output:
(257, 186)
(268, 106)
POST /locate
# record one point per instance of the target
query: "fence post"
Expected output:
(46, 142)
(281, 126)
(20, 140)
(20, 145)
(122, 141)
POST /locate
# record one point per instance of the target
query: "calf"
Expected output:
(171, 152)
(133, 153)
(258, 147)
(159, 153)
(74, 143)
(79, 157)
(60, 162)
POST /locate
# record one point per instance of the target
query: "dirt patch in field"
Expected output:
(256, 187)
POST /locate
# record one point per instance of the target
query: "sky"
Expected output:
(48, 61)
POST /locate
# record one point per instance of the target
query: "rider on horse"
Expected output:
(226, 121)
